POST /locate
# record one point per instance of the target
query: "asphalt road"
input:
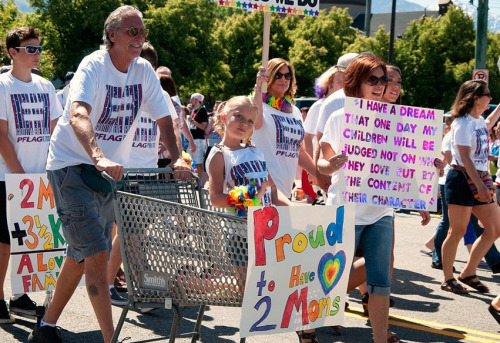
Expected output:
(423, 312)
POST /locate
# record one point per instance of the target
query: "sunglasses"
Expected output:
(31, 49)
(374, 80)
(486, 94)
(279, 75)
(134, 31)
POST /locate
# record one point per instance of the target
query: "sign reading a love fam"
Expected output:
(298, 267)
(299, 7)
(38, 247)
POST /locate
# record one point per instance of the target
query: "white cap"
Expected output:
(344, 60)
(198, 97)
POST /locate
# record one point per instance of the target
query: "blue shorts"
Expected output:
(458, 191)
(376, 242)
(87, 216)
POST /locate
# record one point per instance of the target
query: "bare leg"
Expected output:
(459, 218)
(489, 215)
(115, 258)
(67, 281)
(96, 273)
(379, 316)
(4, 264)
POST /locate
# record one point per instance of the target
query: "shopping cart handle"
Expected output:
(108, 178)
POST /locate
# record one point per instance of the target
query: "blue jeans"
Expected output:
(492, 257)
(376, 243)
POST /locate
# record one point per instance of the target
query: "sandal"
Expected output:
(477, 285)
(393, 338)
(452, 286)
(494, 313)
(311, 336)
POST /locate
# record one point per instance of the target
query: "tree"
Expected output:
(71, 29)
(317, 43)
(8, 17)
(181, 32)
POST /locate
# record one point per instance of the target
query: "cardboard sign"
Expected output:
(391, 150)
(298, 267)
(298, 7)
(38, 247)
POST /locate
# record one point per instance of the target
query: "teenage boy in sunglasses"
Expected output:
(95, 133)
(28, 112)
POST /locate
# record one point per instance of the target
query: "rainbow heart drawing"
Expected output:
(330, 270)
(11, 196)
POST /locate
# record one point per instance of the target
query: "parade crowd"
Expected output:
(119, 110)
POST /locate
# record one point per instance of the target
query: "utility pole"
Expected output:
(368, 16)
(481, 34)
(393, 28)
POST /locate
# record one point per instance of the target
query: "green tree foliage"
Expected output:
(317, 43)
(181, 32)
(378, 44)
(239, 38)
(8, 18)
(71, 28)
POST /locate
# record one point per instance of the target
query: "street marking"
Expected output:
(423, 325)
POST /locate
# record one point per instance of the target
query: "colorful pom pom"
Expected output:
(241, 197)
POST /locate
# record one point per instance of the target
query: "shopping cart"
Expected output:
(177, 251)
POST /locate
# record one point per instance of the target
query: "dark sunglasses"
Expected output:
(31, 49)
(134, 31)
(486, 94)
(279, 75)
(374, 80)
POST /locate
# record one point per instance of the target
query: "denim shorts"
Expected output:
(87, 216)
(458, 191)
(376, 240)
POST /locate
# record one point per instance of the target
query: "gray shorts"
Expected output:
(87, 216)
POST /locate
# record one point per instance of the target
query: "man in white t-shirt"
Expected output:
(109, 90)
(28, 112)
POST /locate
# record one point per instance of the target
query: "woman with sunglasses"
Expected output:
(365, 77)
(467, 188)
(279, 131)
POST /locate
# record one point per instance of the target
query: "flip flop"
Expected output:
(477, 285)
(425, 252)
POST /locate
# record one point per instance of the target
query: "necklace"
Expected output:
(280, 104)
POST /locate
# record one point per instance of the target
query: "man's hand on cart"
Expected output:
(115, 170)
(181, 165)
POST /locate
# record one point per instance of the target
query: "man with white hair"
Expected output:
(109, 90)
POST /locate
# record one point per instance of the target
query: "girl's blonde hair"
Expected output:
(227, 107)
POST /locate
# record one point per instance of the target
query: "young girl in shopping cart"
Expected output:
(238, 176)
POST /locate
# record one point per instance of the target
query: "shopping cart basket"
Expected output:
(175, 253)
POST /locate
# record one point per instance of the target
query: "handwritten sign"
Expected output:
(391, 150)
(298, 7)
(38, 247)
(298, 267)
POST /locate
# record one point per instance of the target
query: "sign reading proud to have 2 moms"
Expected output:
(38, 247)
(298, 267)
(299, 7)
(391, 151)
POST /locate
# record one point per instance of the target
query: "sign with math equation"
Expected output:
(38, 247)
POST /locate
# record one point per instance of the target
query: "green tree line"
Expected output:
(217, 51)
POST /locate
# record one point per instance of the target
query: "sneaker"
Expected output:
(117, 299)
(5, 317)
(24, 306)
(45, 334)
